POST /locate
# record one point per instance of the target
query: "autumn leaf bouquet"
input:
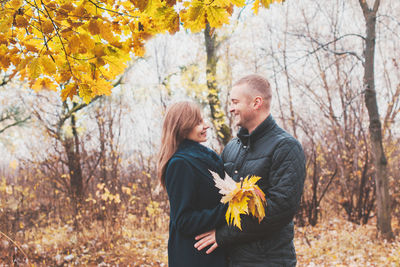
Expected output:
(244, 197)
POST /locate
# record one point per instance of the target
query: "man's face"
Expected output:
(241, 106)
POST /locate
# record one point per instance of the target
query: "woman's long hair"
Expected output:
(179, 120)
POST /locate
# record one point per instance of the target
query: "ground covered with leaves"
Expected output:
(336, 242)
(341, 243)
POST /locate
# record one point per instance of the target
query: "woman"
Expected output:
(183, 165)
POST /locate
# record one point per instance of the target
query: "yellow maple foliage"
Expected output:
(80, 47)
(244, 197)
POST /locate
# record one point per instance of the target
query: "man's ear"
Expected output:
(258, 101)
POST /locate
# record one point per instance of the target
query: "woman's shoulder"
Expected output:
(177, 165)
(178, 159)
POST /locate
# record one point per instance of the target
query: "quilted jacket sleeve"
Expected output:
(283, 196)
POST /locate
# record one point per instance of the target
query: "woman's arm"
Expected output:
(181, 185)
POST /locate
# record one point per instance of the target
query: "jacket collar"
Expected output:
(261, 130)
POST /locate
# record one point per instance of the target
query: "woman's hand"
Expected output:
(206, 239)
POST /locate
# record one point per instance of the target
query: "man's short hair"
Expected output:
(258, 84)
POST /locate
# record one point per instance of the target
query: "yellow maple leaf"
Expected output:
(68, 91)
(85, 92)
(48, 65)
(87, 41)
(106, 33)
(16, 4)
(47, 27)
(101, 87)
(5, 23)
(256, 5)
(43, 83)
(244, 197)
(194, 18)
(237, 207)
(94, 27)
(238, 3)
(217, 16)
(264, 3)
(35, 68)
(21, 21)
(74, 44)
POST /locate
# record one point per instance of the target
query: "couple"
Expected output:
(198, 233)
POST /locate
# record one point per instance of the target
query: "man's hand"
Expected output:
(206, 239)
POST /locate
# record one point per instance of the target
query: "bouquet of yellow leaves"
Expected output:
(244, 197)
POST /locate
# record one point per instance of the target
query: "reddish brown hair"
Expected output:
(179, 120)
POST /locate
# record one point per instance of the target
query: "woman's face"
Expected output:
(199, 132)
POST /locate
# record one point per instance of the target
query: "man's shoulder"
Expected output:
(231, 146)
(235, 142)
(284, 138)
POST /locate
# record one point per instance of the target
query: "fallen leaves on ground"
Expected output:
(336, 242)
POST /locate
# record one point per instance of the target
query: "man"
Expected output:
(261, 148)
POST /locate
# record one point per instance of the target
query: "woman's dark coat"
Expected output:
(195, 205)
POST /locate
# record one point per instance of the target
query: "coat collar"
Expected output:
(194, 150)
(261, 130)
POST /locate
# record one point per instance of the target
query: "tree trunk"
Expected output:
(375, 128)
(71, 145)
(217, 114)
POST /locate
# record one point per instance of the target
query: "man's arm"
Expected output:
(283, 198)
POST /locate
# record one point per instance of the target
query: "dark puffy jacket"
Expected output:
(278, 158)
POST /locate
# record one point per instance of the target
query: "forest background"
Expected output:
(77, 171)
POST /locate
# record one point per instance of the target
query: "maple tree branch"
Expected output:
(60, 38)
(59, 11)
(41, 28)
(6, 79)
(81, 59)
(81, 106)
(112, 11)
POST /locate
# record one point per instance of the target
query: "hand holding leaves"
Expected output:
(244, 197)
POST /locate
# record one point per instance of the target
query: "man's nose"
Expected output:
(231, 109)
